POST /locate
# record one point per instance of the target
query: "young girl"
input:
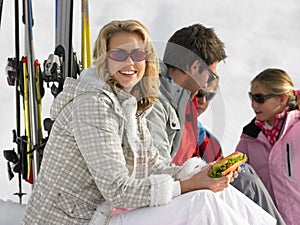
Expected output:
(272, 139)
(100, 154)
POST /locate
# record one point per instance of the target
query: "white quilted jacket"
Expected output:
(98, 156)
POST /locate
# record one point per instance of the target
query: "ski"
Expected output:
(13, 78)
(1, 7)
(32, 97)
(86, 57)
(63, 63)
(25, 75)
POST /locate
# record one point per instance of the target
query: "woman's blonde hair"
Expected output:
(277, 82)
(148, 87)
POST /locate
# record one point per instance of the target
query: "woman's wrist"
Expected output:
(186, 186)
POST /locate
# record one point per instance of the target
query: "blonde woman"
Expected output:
(100, 155)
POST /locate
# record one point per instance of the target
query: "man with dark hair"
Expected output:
(173, 120)
(175, 114)
(200, 40)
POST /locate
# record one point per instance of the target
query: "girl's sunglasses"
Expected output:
(260, 98)
(208, 95)
(121, 55)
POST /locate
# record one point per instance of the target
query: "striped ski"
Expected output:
(32, 98)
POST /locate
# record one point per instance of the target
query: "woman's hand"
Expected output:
(202, 180)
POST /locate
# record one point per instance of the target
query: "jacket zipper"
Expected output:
(288, 160)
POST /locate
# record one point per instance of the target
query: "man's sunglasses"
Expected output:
(260, 98)
(208, 95)
(212, 76)
(121, 55)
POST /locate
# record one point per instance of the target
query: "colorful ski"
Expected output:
(32, 98)
(28, 80)
(26, 76)
(86, 57)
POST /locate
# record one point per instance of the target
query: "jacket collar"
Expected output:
(88, 82)
(253, 130)
(171, 91)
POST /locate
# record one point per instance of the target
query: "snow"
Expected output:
(11, 213)
(257, 34)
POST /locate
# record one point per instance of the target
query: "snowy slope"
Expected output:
(11, 213)
(257, 34)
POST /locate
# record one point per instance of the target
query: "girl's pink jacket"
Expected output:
(277, 166)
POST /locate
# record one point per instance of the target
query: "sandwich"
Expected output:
(228, 164)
